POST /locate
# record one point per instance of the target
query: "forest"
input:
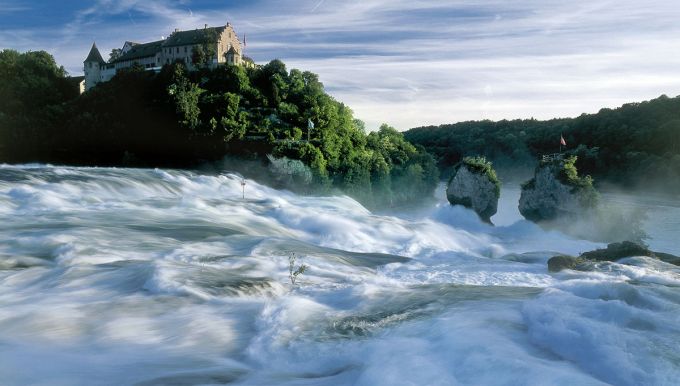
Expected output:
(634, 146)
(177, 118)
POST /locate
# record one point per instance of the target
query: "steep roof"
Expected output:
(94, 55)
(138, 51)
(197, 36)
(75, 80)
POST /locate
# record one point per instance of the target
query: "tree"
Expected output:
(203, 54)
(185, 95)
(33, 90)
(115, 54)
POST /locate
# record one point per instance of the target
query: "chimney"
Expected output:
(176, 29)
(206, 26)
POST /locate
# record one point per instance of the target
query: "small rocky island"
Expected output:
(475, 185)
(557, 191)
(613, 252)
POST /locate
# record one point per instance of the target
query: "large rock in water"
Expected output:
(475, 185)
(560, 262)
(557, 192)
(613, 252)
(616, 251)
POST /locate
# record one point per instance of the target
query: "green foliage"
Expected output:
(182, 118)
(568, 174)
(202, 55)
(636, 144)
(33, 93)
(185, 95)
(115, 54)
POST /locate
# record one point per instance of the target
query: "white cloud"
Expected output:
(8, 7)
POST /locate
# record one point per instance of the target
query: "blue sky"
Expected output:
(405, 62)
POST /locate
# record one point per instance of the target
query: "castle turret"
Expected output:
(92, 67)
(233, 56)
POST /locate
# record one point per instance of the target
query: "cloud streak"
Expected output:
(411, 63)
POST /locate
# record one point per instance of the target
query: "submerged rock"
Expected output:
(557, 192)
(616, 251)
(668, 258)
(474, 185)
(613, 252)
(560, 262)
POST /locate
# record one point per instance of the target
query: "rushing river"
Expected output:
(155, 277)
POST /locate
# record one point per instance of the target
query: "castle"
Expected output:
(184, 46)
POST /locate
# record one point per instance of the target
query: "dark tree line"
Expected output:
(179, 118)
(635, 145)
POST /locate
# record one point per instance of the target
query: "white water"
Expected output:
(150, 277)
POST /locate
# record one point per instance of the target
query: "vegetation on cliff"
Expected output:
(636, 144)
(179, 118)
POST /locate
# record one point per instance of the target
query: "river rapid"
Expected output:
(155, 277)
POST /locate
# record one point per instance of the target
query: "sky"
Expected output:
(407, 63)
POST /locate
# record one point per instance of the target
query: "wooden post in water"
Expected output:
(243, 186)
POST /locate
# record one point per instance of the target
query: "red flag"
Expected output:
(562, 141)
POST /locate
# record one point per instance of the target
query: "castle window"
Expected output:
(178, 50)
(185, 49)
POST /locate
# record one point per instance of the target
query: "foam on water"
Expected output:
(131, 276)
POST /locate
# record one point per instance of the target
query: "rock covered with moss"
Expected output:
(475, 185)
(613, 252)
(557, 192)
(560, 262)
(616, 251)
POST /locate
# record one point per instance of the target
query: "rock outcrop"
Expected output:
(613, 252)
(557, 192)
(560, 262)
(616, 251)
(474, 185)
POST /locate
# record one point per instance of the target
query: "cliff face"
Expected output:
(475, 189)
(556, 192)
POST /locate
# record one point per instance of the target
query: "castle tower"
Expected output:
(92, 67)
(233, 56)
